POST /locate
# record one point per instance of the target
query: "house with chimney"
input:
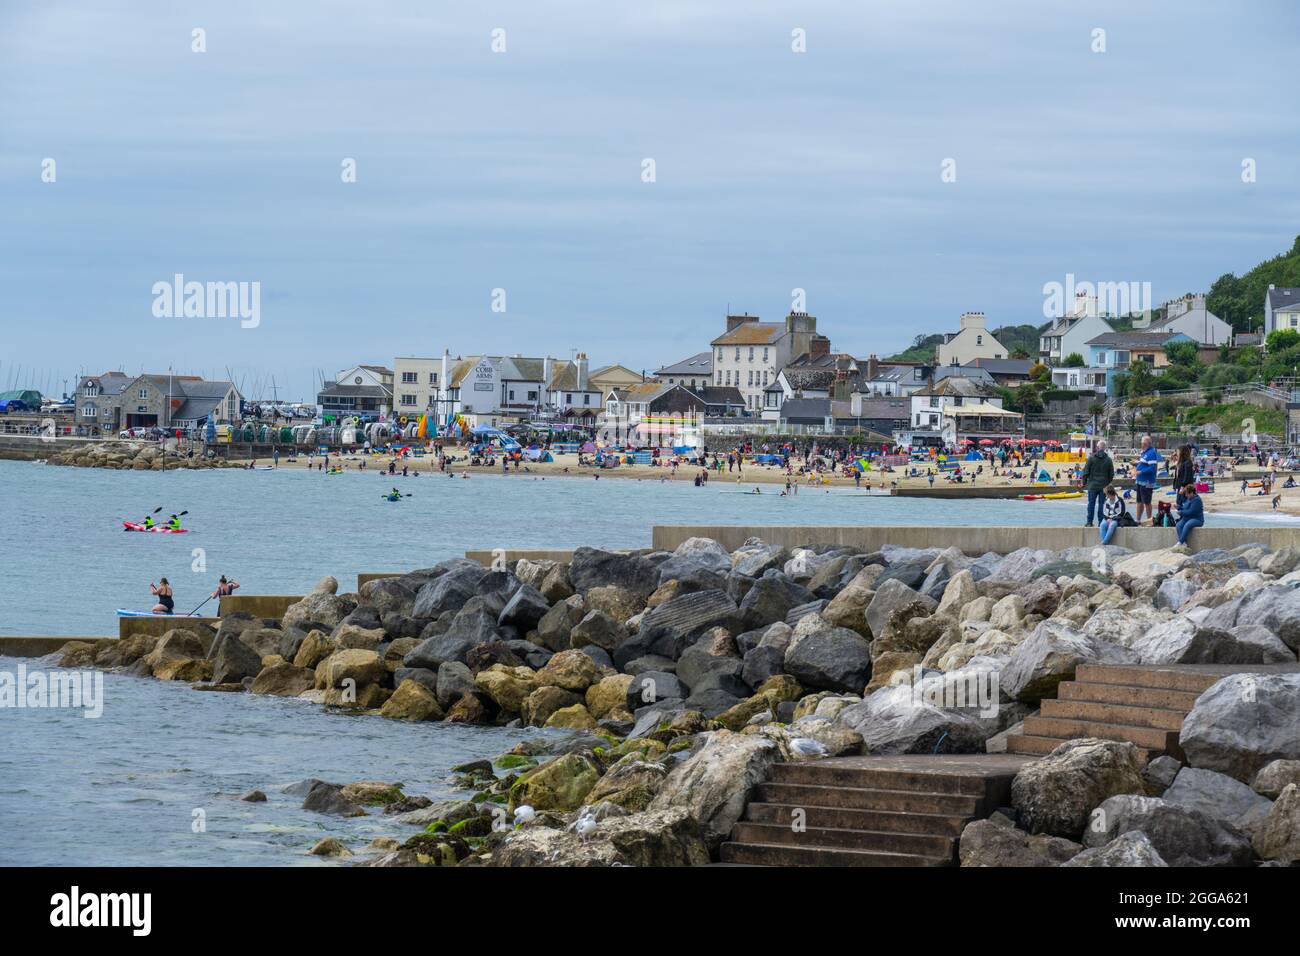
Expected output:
(499, 389)
(1069, 335)
(106, 404)
(895, 378)
(1188, 315)
(693, 372)
(818, 374)
(750, 353)
(972, 340)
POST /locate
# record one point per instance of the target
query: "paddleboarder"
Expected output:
(163, 591)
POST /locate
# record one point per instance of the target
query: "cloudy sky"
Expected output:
(522, 170)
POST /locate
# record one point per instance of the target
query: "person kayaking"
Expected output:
(148, 522)
(395, 493)
(225, 587)
(174, 523)
(163, 591)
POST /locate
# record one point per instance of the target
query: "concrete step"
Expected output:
(1028, 744)
(856, 798)
(766, 854)
(1191, 681)
(1149, 738)
(1128, 695)
(773, 834)
(838, 818)
(1155, 717)
(822, 773)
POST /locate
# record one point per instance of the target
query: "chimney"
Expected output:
(873, 366)
(972, 320)
(819, 346)
(734, 321)
(582, 371)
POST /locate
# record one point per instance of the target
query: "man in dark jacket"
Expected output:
(1098, 472)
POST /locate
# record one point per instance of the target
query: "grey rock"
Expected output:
(1242, 723)
(1133, 848)
(1218, 796)
(1182, 836)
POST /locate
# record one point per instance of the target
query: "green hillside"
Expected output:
(1240, 301)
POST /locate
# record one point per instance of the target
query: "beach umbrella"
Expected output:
(986, 441)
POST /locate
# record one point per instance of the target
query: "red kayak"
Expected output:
(156, 529)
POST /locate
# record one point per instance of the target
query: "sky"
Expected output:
(794, 147)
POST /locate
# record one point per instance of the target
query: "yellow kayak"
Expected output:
(1054, 496)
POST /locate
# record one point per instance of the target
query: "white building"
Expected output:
(958, 408)
(1281, 309)
(1189, 316)
(971, 341)
(1069, 334)
(750, 353)
(417, 385)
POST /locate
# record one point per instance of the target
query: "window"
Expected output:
(90, 411)
(764, 355)
(751, 353)
(408, 400)
(737, 353)
(751, 378)
(433, 378)
(586, 399)
(143, 393)
(979, 340)
(532, 396)
(512, 394)
(568, 398)
(719, 378)
(408, 378)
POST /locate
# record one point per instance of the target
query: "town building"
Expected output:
(115, 401)
(1281, 309)
(362, 391)
(895, 378)
(418, 386)
(1069, 334)
(956, 409)
(972, 340)
(694, 372)
(612, 376)
(653, 414)
(1008, 373)
(1189, 316)
(1113, 353)
(496, 389)
(750, 353)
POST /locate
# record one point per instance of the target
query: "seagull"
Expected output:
(585, 826)
(525, 814)
(807, 747)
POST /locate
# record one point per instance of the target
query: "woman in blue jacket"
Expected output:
(1191, 513)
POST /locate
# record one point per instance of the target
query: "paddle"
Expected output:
(196, 610)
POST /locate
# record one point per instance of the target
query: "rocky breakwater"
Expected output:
(132, 456)
(675, 679)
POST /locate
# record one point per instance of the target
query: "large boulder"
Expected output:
(556, 625)
(318, 607)
(1242, 723)
(907, 718)
(1133, 848)
(391, 595)
(508, 687)
(1277, 837)
(450, 590)
(669, 628)
(696, 558)
(180, 644)
(474, 624)
(755, 557)
(593, 568)
(1057, 794)
(1219, 796)
(569, 670)
(453, 682)
(893, 604)
(1051, 655)
(362, 666)
(714, 784)
(829, 658)
(233, 660)
(986, 843)
(561, 784)
(631, 783)
(1275, 776)
(770, 600)
(284, 680)
(1276, 608)
(662, 838)
(524, 609)
(1182, 836)
(412, 701)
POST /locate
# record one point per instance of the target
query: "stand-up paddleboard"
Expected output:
(127, 612)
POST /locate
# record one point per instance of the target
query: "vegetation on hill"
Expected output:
(1240, 301)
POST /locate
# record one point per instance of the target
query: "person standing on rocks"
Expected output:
(1098, 472)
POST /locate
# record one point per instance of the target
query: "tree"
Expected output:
(1019, 354)
(1074, 360)
(1182, 353)
(1028, 400)
(1039, 372)
(1281, 339)
(1141, 380)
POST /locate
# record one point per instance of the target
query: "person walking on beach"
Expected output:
(1145, 468)
(1098, 472)
(1191, 513)
(1111, 514)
